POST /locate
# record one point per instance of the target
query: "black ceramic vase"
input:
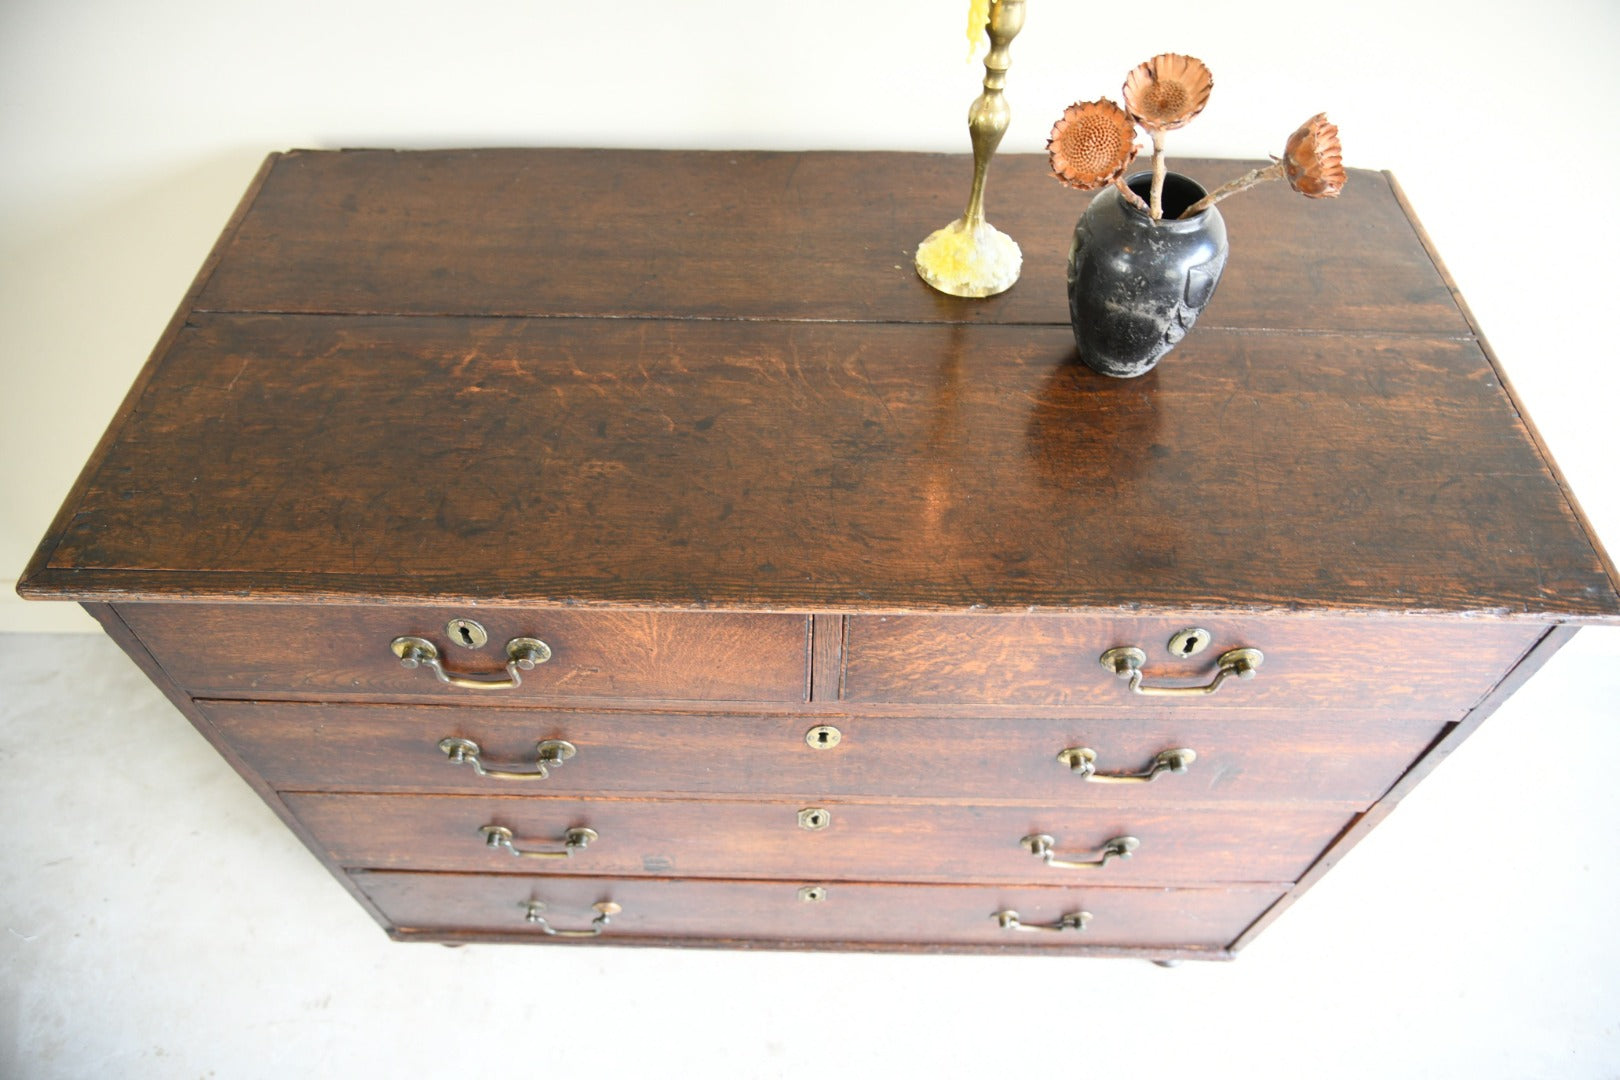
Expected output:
(1135, 285)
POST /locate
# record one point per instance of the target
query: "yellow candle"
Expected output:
(978, 19)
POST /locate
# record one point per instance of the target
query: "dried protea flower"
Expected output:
(1313, 161)
(1167, 91)
(1092, 144)
(1163, 94)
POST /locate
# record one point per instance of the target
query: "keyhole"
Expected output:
(467, 633)
(1189, 642)
(823, 737)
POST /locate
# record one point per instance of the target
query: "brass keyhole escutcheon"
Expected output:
(813, 894)
(823, 737)
(466, 633)
(1189, 642)
(814, 818)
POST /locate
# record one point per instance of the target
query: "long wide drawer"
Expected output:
(1214, 755)
(848, 840)
(237, 650)
(566, 909)
(1410, 664)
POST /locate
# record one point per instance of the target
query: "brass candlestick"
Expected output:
(970, 257)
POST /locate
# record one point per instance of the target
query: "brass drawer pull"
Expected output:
(534, 912)
(522, 654)
(1126, 662)
(1040, 845)
(552, 752)
(1083, 760)
(1074, 920)
(499, 836)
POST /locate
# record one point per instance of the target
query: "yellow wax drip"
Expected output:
(978, 19)
(965, 261)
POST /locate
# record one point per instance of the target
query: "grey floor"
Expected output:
(160, 922)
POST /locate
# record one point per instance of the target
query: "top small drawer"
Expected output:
(1405, 665)
(326, 651)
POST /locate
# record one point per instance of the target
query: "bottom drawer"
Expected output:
(787, 913)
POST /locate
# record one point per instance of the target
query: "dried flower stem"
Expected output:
(1156, 209)
(1132, 197)
(1274, 171)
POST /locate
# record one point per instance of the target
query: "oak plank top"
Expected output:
(735, 235)
(698, 381)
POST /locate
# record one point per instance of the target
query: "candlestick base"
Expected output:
(972, 261)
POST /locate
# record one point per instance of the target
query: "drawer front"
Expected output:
(859, 841)
(1412, 665)
(228, 650)
(1345, 757)
(773, 911)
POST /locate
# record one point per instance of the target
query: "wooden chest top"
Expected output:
(552, 377)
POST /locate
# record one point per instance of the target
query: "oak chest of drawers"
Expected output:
(586, 546)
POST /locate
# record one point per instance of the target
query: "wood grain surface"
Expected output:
(259, 649)
(727, 235)
(927, 468)
(692, 419)
(866, 841)
(1433, 667)
(853, 912)
(1319, 756)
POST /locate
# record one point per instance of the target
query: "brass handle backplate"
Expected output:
(1043, 847)
(551, 752)
(522, 654)
(1083, 760)
(499, 836)
(534, 912)
(1074, 920)
(1126, 662)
